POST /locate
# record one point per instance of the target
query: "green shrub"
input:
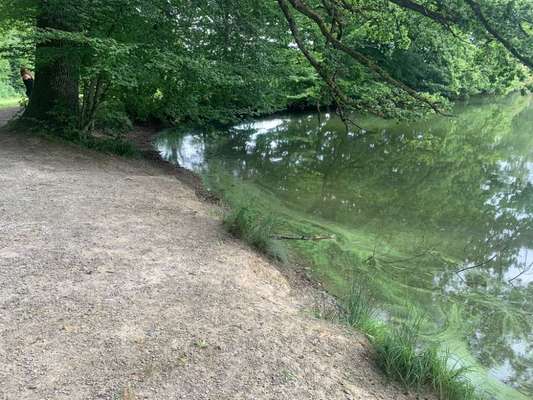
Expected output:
(116, 146)
(112, 119)
(7, 87)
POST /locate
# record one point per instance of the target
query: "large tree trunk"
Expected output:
(55, 97)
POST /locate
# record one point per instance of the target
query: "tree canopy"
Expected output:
(102, 61)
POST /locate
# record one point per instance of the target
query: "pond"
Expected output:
(434, 215)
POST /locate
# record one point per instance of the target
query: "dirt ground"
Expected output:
(116, 282)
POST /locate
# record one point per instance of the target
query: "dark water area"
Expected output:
(444, 206)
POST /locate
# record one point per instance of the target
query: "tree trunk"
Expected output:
(55, 97)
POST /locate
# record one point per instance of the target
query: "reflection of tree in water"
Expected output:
(182, 149)
(468, 181)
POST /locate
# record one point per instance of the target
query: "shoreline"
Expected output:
(142, 137)
(153, 297)
(493, 383)
(383, 340)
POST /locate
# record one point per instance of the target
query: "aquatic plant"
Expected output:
(358, 307)
(400, 353)
(400, 357)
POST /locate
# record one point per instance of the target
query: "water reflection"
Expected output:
(455, 195)
(187, 151)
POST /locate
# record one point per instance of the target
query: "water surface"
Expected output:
(434, 214)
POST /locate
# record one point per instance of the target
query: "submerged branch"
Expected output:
(310, 238)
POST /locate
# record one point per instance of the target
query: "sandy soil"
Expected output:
(116, 282)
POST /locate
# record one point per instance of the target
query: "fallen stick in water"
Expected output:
(312, 238)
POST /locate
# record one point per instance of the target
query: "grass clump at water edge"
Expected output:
(401, 355)
(255, 229)
(358, 310)
(246, 213)
(402, 358)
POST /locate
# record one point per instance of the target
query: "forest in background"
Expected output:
(108, 63)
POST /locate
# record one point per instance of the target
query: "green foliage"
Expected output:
(112, 119)
(221, 60)
(451, 66)
(401, 357)
(10, 62)
(6, 88)
(116, 146)
(439, 50)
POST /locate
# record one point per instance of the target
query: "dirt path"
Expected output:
(6, 114)
(117, 283)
